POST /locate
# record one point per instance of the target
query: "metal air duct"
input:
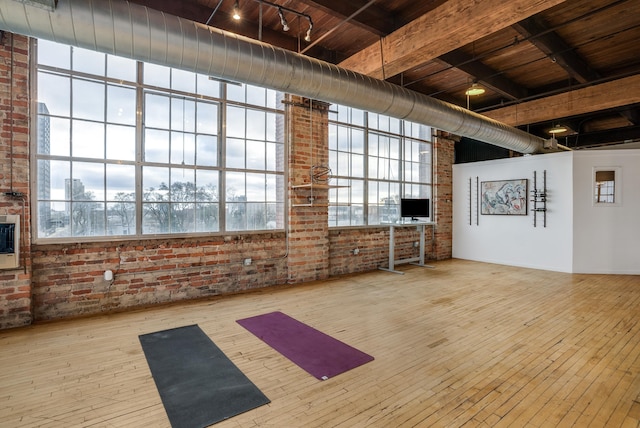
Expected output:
(134, 31)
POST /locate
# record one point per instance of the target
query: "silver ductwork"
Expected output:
(134, 31)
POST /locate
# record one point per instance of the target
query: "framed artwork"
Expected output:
(504, 197)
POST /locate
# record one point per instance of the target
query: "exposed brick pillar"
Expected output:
(443, 194)
(308, 232)
(15, 284)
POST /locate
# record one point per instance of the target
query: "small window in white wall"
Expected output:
(606, 186)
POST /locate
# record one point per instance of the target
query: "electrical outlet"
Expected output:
(247, 261)
(355, 251)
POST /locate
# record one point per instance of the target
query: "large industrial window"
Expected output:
(127, 148)
(375, 160)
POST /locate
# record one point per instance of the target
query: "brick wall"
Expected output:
(15, 284)
(373, 247)
(443, 159)
(308, 258)
(66, 280)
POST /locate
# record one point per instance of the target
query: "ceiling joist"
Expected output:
(484, 75)
(552, 45)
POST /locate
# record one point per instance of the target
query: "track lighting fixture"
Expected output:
(283, 20)
(236, 11)
(307, 37)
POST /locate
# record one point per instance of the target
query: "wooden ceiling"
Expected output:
(542, 62)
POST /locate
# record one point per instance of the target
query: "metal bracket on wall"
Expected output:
(539, 198)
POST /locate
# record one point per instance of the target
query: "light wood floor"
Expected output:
(464, 344)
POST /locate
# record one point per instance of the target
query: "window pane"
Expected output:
(183, 148)
(58, 141)
(183, 80)
(87, 219)
(235, 122)
(121, 142)
(207, 217)
(121, 218)
(256, 124)
(207, 118)
(88, 61)
(121, 183)
(155, 183)
(181, 217)
(235, 187)
(155, 218)
(121, 68)
(207, 183)
(207, 86)
(235, 92)
(183, 115)
(54, 92)
(156, 111)
(235, 153)
(54, 54)
(157, 75)
(121, 105)
(88, 181)
(256, 187)
(236, 216)
(256, 155)
(88, 100)
(256, 96)
(156, 146)
(207, 150)
(87, 139)
(272, 157)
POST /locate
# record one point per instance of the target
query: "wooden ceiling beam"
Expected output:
(446, 28)
(590, 99)
(484, 75)
(552, 45)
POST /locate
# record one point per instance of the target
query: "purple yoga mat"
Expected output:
(320, 355)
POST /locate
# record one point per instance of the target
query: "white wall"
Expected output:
(580, 237)
(607, 238)
(513, 240)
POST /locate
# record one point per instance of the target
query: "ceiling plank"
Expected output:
(607, 95)
(374, 19)
(446, 28)
(484, 74)
(552, 45)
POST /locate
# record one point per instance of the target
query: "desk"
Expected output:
(420, 226)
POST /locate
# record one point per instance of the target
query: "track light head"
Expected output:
(283, 20)
(307, 37)
(236, 11)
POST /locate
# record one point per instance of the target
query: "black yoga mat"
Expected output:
(198, 384)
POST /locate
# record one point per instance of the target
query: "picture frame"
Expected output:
(504, 197)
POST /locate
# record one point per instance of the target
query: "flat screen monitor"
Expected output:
(414, 208)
